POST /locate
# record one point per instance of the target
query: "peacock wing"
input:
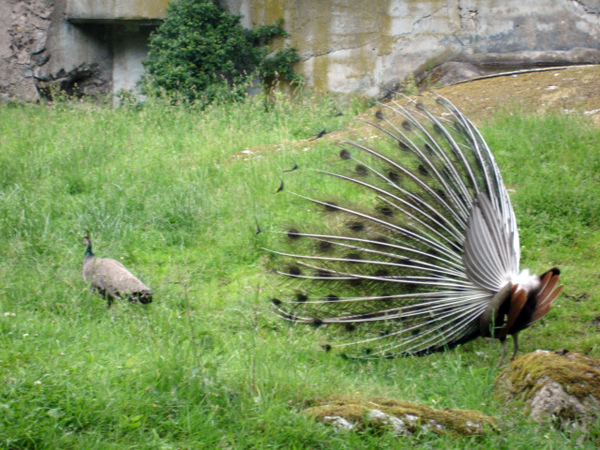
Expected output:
(488, 250)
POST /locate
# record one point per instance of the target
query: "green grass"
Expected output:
(207, 365)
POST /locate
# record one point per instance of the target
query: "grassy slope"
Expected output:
(207, 365)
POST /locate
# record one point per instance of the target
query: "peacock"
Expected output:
(111, 279)
(423, 252)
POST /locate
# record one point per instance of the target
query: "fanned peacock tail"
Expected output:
(429, 259)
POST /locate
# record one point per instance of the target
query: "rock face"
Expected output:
(401, 418)
(23, 33)
(559, 385)
(96, 46)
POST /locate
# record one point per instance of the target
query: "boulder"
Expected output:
(561, 386)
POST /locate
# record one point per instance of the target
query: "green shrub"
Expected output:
(202, 53)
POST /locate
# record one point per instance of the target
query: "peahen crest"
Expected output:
(422, 254)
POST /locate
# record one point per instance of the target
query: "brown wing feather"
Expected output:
(543, 305)
(548, 284)
(517, 301)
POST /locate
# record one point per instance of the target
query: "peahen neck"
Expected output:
(88, 250)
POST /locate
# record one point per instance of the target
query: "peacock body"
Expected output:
(428, 258)
(111, 280)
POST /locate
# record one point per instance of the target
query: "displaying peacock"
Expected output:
(111, 279)
(424, 255)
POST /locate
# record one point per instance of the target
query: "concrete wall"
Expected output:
(358, 46)
(130, 44)
(346, 46)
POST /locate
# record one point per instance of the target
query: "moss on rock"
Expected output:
(400, 417)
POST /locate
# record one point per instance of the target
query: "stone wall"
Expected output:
(346, 46)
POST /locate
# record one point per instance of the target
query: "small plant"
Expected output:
(202, 53)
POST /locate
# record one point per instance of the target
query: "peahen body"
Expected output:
(111, 279)
(424, 254)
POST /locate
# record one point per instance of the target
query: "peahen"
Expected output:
(424, 255)
(111, 279)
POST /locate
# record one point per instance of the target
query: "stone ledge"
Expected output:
(108, 11)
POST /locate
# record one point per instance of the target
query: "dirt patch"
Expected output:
(574, 90)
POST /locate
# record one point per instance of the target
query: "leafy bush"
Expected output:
(202, 53)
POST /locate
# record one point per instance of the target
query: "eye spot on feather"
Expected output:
(332, 298)
(393, 177)
(324, 246)
(350, 327)
(316, 322)
(410, 287)
(429, 149)
(276, 301)
(326, 347)
(385, 210)
(293, 233)
(403, 146)
(438, 129)
(446, 173)
(331, 207)
(361, 170)
(355, 282)
(345, 154)
(294, 270)
(459, 128)
(382, 273)
(423, 170)
(353, 256)
(355, 226)
(407, 126)
(300, 297)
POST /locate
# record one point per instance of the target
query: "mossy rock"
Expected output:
(402, 418)
(558, 385)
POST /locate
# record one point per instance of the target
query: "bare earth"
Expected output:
(571, 90)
